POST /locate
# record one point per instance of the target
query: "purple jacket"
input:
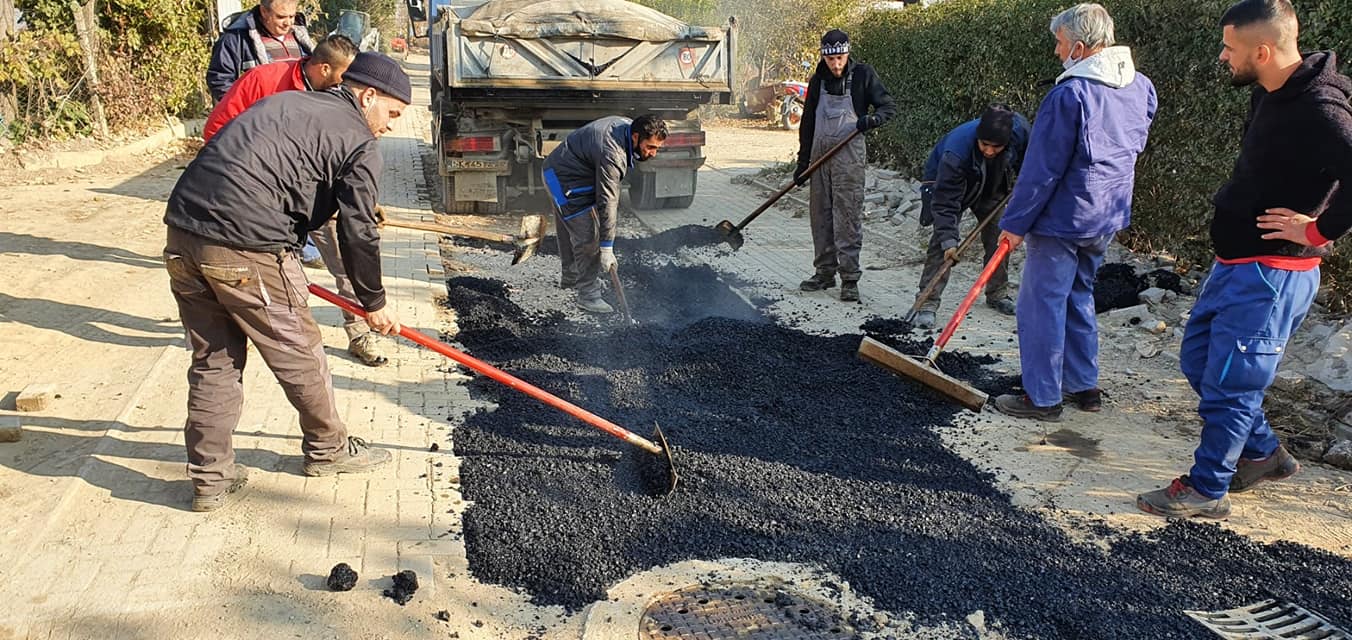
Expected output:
(1080, 168)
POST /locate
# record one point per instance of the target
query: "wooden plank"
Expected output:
(913, 369)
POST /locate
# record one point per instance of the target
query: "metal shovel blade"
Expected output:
(731, 234)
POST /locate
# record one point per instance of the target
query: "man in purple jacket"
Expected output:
(1287, 198)
(1074, 193)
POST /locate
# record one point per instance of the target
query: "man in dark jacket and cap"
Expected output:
(971, 167)
(273, 31)
(236, 219)
(839, 97)
(1288, 197)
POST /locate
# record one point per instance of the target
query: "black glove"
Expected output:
(799, 179)
(864, 123)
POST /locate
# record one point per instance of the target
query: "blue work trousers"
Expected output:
(1235, 338)
(1058, 336)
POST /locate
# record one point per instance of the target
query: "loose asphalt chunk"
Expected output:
(791, 449)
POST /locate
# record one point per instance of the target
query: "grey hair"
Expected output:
(1087, 22)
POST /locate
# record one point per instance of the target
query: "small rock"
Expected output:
(1159, 327)
(405, 585)
(1147, 350)
(1340, 455)
(443, 615)
(875, 198)
(978, 621)
(1153, 295)
(1131, 316)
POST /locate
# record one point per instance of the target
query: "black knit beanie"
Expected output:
(997, 125)
(835, 42)
(380, 72)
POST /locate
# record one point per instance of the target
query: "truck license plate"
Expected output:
(461, 164)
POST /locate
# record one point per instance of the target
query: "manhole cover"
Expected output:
(1270, 619)
(727, 612)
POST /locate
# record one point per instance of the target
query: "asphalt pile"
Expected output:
(1118, 286)
(792, 449)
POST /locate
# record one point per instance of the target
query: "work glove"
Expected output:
(864, 123)
(799, 179)
(608, 261)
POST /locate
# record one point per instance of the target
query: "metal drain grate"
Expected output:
(1269, 619)
(742, 612)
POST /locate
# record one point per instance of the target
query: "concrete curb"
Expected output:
(175, 129)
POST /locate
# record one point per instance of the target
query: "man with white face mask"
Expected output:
(1074, 193)
(237, 219)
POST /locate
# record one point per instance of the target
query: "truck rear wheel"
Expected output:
(470, 206)
(679, 202)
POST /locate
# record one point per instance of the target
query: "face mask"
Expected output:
(1070, 60)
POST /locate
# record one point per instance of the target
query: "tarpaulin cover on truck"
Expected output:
(531, 19)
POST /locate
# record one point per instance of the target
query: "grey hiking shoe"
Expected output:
(359, 458)
(217, 500)
(1002, 305)
(1180, 500)
(924, 319)
(849, 291)
(1021, 406)
(818, 282)
(366, 348)
(594, 304)
(1251, 473)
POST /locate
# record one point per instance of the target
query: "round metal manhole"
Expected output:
(726, 612)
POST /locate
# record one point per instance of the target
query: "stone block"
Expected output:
(35, 397)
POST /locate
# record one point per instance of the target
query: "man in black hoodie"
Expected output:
(1286, 200)
(838, 99)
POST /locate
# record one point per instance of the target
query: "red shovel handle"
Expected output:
(499, 375)
(952, 327)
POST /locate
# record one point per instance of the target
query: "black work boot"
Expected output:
(1088, 400)
(849, 291)
(1251, 473)
(818, 282)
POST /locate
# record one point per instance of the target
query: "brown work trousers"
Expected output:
(227, 298)
(326, 240)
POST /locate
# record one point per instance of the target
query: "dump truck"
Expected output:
(510, 79)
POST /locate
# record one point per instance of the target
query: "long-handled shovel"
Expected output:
(659, 478)
(949, 263)
(925, 371)
(732, 233)
(524, 242)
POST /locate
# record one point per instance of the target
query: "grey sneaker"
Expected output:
(217, 500)
(924, 319)
(1021, 406)
(366, 348)
(1251, 473)
(317, 263)
(594, 305)
(1180, 500)
(360, 458)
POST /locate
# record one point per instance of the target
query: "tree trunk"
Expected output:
(87, 30)
(7, 22)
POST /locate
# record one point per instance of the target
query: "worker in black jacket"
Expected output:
(1288, 197)
(839, 97)
(237, 219)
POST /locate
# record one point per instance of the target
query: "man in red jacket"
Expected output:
(320, 71)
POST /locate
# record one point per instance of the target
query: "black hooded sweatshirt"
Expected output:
(1296, 153)
(866, 90)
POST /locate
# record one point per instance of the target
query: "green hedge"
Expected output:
(946, 62)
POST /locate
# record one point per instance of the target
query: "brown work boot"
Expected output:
(818, 282)
(1021, 406)
(359, 458)
(214, 501)
(366, 348)
(1251, 473)
(849, 291)
(1090, 400)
